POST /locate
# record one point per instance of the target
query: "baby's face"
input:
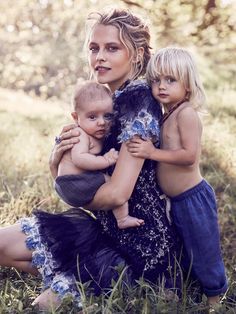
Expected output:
(95, 117)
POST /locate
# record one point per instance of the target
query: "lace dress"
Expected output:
(74, 245)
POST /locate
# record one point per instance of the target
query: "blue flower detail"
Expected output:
(39, 259)
(144, 125)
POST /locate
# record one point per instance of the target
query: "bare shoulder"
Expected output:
(84, 137)
(187, 111)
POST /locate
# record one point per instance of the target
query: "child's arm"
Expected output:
(83, 159)
(189, 131)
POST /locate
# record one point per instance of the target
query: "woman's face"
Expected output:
(109, 59)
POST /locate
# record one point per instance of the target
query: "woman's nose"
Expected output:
(100, 55)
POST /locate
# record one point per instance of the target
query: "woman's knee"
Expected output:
(12, 244)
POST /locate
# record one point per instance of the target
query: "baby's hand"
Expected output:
(140, 148)
(111, 156)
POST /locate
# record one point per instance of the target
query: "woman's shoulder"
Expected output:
(133, 88)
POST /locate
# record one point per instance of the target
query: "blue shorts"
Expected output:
(79, 190)
(194, 214)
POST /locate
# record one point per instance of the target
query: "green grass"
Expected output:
(26, 140)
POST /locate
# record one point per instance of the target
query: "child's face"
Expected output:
(95, 117)
(109, 58)
(168, 90)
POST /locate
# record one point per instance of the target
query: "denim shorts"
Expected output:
(194, 213)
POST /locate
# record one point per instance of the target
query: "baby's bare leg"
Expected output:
(124, 220)
(13, 250)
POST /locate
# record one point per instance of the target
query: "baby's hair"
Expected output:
(89, 90)
(134, 34)
(179, 63)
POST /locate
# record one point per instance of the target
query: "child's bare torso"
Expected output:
(67, 167)
(175, 179)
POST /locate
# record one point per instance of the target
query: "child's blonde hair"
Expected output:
(134, 34)
(179, 63)
(87, 91)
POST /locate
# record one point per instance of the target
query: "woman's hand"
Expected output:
(67, 138)
(140, 148)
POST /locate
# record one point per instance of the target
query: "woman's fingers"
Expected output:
(68, 127)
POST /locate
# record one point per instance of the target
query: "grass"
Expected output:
(27, 130)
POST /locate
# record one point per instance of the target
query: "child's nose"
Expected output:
(162, 84)
(101, 121)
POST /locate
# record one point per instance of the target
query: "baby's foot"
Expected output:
(129, 222)
(47, 300)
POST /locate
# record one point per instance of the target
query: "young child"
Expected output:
(175, 83)
(79, 176)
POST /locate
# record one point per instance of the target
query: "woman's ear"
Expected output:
(75, 117)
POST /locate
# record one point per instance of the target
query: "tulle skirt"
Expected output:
(69, 247)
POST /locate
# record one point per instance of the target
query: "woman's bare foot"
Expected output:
(47, 300)
(129, 222)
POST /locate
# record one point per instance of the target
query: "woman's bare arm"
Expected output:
(119, 189)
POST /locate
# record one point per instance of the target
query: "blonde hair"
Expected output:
(89, 90)
(134, 34)
(179, 63)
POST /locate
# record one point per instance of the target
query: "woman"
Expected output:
(118, 53)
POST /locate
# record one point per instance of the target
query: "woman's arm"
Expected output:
(68, 136)
(119, 189)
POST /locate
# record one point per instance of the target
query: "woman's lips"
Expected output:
(101, 69)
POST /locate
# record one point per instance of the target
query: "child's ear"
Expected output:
(75, 117)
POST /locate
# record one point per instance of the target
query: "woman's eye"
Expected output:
(112, 48)
(93, 49)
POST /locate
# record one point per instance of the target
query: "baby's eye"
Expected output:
(108, 116)
(92, 117)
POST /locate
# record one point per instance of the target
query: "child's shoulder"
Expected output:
(187, 108)
(83, 134)
(187, 111)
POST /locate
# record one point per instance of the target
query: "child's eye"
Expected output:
(108, 116)
(156, 81)
(92, 117)
(170, 80)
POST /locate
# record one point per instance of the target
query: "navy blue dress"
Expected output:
(74, 245)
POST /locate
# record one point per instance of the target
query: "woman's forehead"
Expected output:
(105, 33)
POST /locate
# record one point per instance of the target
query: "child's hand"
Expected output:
(140, 148)
(111, 156)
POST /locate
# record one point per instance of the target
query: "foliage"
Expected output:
(41, 41)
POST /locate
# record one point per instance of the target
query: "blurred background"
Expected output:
(41, 41)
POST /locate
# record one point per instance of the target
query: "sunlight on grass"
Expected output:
(27, 136)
